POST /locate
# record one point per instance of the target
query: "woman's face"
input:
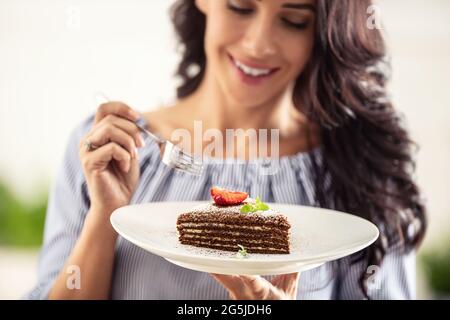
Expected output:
(256, 48)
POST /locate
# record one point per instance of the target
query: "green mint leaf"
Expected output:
(246, 208)
(242, 253)
(253, 207)
(263, 207)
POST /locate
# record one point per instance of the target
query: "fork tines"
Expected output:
(185, 162)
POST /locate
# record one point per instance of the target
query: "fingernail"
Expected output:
(136, 153)
(142, 141)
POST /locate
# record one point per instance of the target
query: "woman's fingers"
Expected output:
(255, 287)
(244, 287)
(113, 136)
(98, 159)
(116, 108)
(234, 285)
(287, 282)
(124, 124)
(259, 287)
(107, 133)
(230, 282)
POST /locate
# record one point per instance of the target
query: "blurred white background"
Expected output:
(55, 54)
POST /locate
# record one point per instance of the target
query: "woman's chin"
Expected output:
(248, 102)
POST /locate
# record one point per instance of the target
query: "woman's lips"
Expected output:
(248, 79)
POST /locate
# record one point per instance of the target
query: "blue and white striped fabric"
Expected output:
(142, 275)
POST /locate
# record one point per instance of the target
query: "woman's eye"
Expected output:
(239, 10)
(295, 25)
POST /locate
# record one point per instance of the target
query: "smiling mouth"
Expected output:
(252, 71)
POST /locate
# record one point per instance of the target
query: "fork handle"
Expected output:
(151, 135)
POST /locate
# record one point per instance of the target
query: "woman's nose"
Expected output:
(259, 40)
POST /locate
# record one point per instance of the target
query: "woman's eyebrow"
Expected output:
(300, 6)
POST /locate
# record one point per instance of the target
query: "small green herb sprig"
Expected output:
(242, 253)
(253, 207)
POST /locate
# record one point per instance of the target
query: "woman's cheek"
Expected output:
(223, 26)
(300, 55)
(221, 34)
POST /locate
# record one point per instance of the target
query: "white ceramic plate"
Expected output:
(317, 236)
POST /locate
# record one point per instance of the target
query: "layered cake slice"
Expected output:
(232, 221)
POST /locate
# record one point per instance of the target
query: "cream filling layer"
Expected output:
(209, 224)
(233, 246)
(226, 232)
(195, 237)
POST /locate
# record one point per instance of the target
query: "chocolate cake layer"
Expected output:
(235, 242)
(226, 239)
(242, 235)
(225, 228)
(233, 229)
(246, 219)
(233, 248)
(214, 213)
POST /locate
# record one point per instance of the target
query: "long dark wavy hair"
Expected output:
(367, 153)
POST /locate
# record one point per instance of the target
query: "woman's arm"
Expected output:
(68, 205)
(112, 172)
(78, 252)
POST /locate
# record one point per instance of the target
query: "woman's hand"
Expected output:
(112, 170)
(282, 287)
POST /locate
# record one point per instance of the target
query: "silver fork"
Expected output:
(171, 155)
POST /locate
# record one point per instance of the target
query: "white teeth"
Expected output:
(251, 71)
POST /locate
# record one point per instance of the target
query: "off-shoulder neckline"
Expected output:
(316, 151)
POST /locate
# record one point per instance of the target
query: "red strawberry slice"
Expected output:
(225, 197)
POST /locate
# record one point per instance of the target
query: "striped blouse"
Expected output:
(139, 274)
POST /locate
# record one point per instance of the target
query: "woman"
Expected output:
(341, 146)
